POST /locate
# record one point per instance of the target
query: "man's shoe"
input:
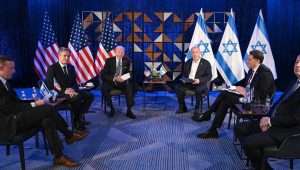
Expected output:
(211, 134)
(112, 112)
(65, 161)
(75, 137)
(130, 114)
(181, 110)
(85, 122)
(201, 117)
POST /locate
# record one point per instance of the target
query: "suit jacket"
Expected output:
(286, 118)
(263, 83)
(56, 72)
(10, 107)
(109, 69)
(203, 71)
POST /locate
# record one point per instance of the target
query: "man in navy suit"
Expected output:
(112, 78)
(271, 131)
(260, 79)
(18, 116)
(61, 77)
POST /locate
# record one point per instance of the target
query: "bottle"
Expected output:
(248, 94)
(268, 104)
(34, 93)
(23, 95)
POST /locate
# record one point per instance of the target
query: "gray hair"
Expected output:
(195, 47)
(120, 47)
(4, 59)
(63, 49)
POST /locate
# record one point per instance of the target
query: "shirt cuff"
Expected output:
(33, 104)
(269, 123)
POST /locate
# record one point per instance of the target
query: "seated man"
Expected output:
(61, 77)
(195, 76)
(111, 75)
(261, 81)
(271, 131)
(17, 117)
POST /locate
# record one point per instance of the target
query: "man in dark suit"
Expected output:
(196, 74)
(61, 77)
(260, 79)
(112, 78)
(271, 131)
(17, 117)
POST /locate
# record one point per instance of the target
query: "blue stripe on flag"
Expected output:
(202, 24)
(231, 22)
(229, 74)
(262, 27)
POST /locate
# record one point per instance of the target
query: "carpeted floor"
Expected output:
(157, 140)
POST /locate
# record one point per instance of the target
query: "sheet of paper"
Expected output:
(125, 76)
(232, 91)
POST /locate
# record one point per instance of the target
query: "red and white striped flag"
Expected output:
(81, 55)
(106, 46)
(46, 53)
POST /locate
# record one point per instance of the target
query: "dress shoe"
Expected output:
(75, 137)
(82, 132)
(130, 114)
(201, 117)
(65, 161)
(112, 112)
(181, 110)
(86, 122)
(211, 134)
(80, 127)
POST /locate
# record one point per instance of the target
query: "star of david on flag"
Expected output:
(259, 41)
(200, 39)
(229, 57)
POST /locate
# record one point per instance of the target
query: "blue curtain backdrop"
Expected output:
(20, 24)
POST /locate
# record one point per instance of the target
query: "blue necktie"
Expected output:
(286, 96)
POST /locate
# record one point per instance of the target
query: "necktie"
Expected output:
(119, 67)
(250, 76)
(286, 95)
(9, 89)
(65, 70)
(7, 86)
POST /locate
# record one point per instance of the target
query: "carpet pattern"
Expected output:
(157, 140)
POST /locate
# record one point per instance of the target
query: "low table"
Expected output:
(253, 113)
(150, 85)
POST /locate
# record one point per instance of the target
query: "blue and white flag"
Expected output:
(229, 57)
(200, 39)
(259, 41)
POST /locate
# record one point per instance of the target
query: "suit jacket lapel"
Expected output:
(114, 65)
(199, 66)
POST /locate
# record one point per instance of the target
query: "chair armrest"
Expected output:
(291, 145)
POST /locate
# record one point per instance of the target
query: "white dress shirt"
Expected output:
(194, 68)
(4, 82)
(62, 67)
(254, 71)
(117, 63)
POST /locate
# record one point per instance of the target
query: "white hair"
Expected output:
(120, 47)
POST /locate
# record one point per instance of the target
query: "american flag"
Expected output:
(106, 46)
(46, 53)
(81, 55)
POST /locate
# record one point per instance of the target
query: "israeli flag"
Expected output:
(200, 39)
(229, 57)
(259, 41)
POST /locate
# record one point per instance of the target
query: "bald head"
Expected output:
(120, 51)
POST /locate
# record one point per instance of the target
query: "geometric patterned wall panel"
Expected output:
(153, 39)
